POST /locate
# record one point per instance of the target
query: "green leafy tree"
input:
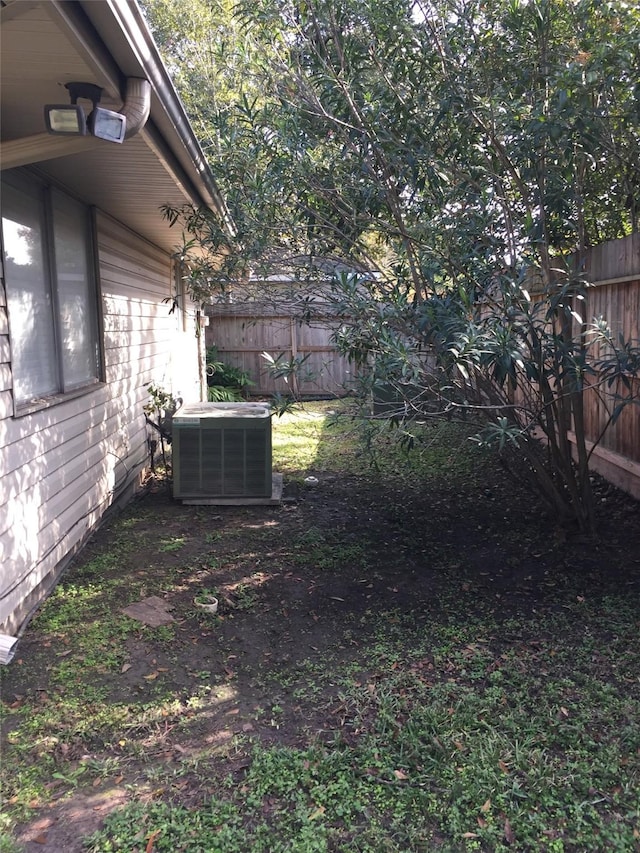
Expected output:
(459, 151)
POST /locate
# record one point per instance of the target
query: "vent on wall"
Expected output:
(222, 451)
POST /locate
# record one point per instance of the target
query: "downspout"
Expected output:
(137, 105)
(133, 23)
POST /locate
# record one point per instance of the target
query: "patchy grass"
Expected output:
(405, 658)
(506, 751)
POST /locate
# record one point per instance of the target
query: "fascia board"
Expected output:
(123, 27)
(116, 42)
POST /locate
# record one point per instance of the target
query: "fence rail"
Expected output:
(242, 335)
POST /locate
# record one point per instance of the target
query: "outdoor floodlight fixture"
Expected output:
(106, 124)
(65, 118)
(70, 118)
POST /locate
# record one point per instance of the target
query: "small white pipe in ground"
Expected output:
(7, 648)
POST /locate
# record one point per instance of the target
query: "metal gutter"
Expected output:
(134, 26)
(108, 28)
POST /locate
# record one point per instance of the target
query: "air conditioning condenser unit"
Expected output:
(222, 454)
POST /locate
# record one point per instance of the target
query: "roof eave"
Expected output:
(115, 20)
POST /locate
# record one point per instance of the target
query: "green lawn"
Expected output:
(407, 658)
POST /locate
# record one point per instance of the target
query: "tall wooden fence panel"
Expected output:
(613, 269)
(242, 333)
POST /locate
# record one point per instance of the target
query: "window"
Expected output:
(51, 293)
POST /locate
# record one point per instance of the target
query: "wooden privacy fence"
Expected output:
(243, 332)
(613, 270)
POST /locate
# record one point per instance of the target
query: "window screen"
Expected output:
(51, 294)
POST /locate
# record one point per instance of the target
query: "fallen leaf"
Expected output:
(481, 822)
(151, 677)
(97, 783)
(485, 807)
(503, 766)
(564, 712)
(118, 779)
(400, 774)
(317, 813)
(469, 834)
(336, 598)
(126, 667)
(40, 839)
(151, 840)
(509, 834)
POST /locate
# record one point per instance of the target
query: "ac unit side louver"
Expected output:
(222, 451)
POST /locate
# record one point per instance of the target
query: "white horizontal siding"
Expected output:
(5, 351)
(63, 466)
(6, 404)
(43, 429)
(5, 377)
(30, 460)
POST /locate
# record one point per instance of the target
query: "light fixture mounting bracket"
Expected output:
(88, 91)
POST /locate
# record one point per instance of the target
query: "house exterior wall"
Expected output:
(62, 467)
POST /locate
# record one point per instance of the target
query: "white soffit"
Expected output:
(47, 44)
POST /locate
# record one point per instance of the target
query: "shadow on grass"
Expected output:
(404, 659)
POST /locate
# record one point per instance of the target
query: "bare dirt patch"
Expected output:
(304, 588)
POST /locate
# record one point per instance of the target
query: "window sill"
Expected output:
(37, 404)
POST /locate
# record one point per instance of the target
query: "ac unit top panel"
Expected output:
(195, 412)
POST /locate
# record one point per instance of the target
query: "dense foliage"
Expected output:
(459, 151)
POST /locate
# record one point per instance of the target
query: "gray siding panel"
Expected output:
(62, 467)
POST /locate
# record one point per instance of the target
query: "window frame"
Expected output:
(21, 179)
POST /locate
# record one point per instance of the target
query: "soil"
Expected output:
(285, 602)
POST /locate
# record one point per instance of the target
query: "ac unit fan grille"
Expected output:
(217, 459)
